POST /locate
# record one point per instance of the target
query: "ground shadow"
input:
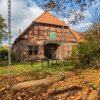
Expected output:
(72, 90)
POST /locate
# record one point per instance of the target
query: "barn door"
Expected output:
(53, 53)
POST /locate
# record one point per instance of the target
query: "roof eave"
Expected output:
(22, 33)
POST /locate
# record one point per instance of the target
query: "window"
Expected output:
(33, 50)
(68, 52)
(52, 36)
(30, 50)
(36, 48)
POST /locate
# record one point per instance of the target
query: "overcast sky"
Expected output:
(25, 11)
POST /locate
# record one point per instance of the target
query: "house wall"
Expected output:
(37, 34)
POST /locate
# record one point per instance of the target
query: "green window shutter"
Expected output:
(52, 36)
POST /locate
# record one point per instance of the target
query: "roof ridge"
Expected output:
(40, 16)
(56, 21)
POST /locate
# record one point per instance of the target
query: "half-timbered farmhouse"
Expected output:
(46, 37)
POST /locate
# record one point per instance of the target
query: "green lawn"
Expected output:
(20, 68)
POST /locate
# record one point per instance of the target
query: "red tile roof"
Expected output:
(78, 35)
(49, 18)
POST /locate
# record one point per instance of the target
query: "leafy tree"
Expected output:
(2, 29)
(94, 37)
(89, 50)
(69, 8)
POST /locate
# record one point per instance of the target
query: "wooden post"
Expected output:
(56, 61)
(42, 63)
(32, 63)
(48, 62)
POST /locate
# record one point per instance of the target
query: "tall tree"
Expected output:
(2, 29)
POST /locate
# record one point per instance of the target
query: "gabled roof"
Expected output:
(49, 18)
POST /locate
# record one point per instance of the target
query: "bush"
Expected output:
(4, 54)
(87, 54)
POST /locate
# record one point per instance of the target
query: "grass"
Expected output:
(20, 68)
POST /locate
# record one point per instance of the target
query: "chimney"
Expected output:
(19, 31)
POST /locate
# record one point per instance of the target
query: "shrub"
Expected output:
(3, 53)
